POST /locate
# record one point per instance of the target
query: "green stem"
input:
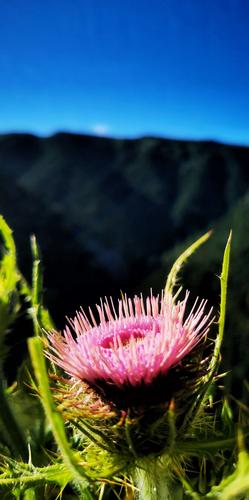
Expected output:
(55, 419)
(36, 291)
(208, 446)
(151, 481)
(174, 272)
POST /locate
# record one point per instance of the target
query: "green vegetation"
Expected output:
(48, 452)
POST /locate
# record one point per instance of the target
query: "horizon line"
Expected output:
(128, 137)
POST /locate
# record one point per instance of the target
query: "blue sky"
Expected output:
(173, 68)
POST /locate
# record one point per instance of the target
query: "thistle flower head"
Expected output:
(132, 344)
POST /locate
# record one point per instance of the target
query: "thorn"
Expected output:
(172, 405)
(29, 455)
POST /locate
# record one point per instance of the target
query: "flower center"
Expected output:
(124, 335)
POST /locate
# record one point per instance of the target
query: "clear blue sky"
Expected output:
(176, 68)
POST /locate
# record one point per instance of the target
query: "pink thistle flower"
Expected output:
(133, 344)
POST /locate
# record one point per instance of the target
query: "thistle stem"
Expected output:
(151, 481)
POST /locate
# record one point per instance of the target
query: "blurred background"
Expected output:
(124, 135)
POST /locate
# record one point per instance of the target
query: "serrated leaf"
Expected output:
(9, 278)
(222, 314)
(236, 485)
